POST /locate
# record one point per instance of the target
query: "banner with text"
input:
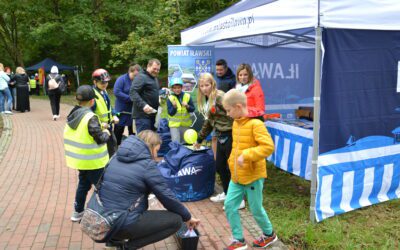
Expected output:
(286, 75)
(188, 63)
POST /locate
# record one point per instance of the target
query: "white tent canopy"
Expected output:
(293, 22)
(270, 16)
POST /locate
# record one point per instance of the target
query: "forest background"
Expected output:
(96, 33)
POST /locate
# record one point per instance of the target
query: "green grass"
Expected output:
(287, 200)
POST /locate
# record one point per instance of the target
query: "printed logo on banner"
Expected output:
(202, 66)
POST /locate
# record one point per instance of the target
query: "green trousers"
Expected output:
(254, 194)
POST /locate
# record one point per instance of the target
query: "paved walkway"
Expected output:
(37, 191)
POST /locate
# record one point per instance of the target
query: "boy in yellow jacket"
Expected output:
(251, 145)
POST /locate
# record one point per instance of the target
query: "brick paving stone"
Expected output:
(38, 190)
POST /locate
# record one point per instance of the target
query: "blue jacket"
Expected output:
(132, 175)
(123, 102)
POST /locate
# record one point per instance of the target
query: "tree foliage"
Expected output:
(96, 33)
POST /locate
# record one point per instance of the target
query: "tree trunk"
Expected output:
(96, 54)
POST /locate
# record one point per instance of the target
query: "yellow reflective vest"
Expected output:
(101, 108)
(182, 116)
(32, 83)
(81, 150)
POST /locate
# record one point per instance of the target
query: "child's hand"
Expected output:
(184, 104)
(173, 104)
(240, 160)
(104, 125)
(115, 119)
(196, 145)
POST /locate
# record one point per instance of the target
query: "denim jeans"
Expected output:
(5, 94)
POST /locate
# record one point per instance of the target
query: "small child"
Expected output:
(251, 145)
(179, 106)
(85, 148)
(102, 106)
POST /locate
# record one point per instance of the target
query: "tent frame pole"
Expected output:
(316, 124)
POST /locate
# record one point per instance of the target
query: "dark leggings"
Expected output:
(87, 178)
(119, 131)
(152, 226)
(221, 162)
(55, 96)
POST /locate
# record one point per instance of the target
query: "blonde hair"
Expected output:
(19, 70)
(201, 99)
(247, 67)
(151, 138)
(233, 97)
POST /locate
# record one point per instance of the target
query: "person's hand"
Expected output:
(184, 104)
(147, 109)
(173, 103)
(240, 160)
(192, 223)
(107, 131)
(196, 145)
(104, 125)
(115, 119)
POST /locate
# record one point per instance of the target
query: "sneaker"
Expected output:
(76, 217)
(54, 118)
(236, 245)
(264, 241)
(218, 198)
(58, 116)
(242, 205)
(8, 112)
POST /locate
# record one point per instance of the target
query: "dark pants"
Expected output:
(152, 226)
(145, 124)
(224, 149)
(119, 131)
(55, 97)
(87, 178)
(111, 143)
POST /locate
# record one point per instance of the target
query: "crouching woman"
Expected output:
(131, 175)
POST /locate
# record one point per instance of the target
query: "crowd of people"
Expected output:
(233, 108)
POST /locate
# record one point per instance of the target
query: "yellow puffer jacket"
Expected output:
(251, 139)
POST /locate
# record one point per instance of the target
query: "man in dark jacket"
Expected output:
(144, 95)
(225, 79)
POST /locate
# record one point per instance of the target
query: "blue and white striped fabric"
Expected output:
(357, 176)
(293, 148)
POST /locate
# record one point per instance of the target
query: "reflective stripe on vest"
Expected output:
(182, 116)
(102, 110)
(32, 83)
(81, 150)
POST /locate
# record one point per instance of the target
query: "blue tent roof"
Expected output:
(48, 63)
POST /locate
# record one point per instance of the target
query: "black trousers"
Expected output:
(152, 226)
(224, 148)
(119, 131)
(55, 97)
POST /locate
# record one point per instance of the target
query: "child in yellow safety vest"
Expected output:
(179, 106)
(85, 148)
(102, 106)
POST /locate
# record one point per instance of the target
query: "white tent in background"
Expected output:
(289, 23)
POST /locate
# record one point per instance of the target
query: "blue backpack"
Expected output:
(190, 174)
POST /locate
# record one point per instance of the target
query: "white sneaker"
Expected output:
(76, 217)
(218, 198)
(8, 112)
(58, 116)
(242, 205)
(54, 118)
